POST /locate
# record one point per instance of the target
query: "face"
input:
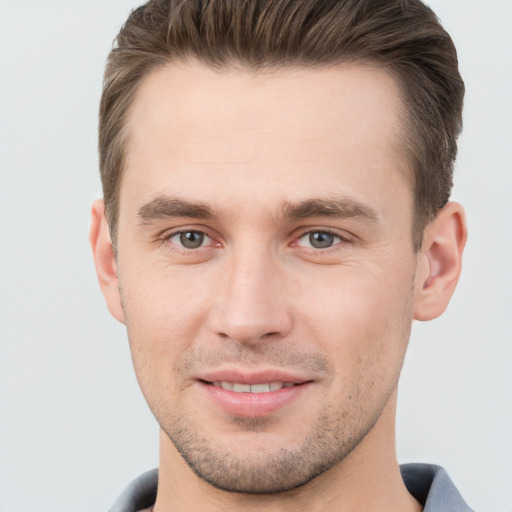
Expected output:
(266, 266)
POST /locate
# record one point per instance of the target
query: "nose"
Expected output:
(252, 300)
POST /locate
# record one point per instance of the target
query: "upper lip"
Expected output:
(252, 377)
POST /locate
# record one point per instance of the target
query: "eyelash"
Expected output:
(168, 238)
(296, 241)
(340, 239)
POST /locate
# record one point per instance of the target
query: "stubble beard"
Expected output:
(336, 432)
(328, 442)
(339, 427)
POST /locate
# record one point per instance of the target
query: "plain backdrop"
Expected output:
(74, 428)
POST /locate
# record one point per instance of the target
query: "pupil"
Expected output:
(191, 239)
(321, 239)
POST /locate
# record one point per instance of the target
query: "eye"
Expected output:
(189, 239)
(319, 239)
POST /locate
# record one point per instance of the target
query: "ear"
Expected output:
(439, 262)
(104, 259)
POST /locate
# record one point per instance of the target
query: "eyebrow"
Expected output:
(164, 207)
(335, 208)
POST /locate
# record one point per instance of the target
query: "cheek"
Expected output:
(163, 314)
(362, 321)
(162, 301)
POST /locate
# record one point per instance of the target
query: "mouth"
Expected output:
(246, 395)
(239, 387)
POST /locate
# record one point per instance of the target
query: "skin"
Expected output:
(251, 160)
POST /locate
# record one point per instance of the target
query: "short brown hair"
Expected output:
(402, 36)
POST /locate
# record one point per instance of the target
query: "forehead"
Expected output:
(269, 129)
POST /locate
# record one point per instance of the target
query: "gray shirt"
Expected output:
(429, 484)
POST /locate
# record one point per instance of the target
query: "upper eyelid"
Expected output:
(170, 232)
(321, 230)
(343, 236)
(341, 239)
(296, 235)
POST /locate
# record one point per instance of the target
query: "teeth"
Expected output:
(254, 388)
(260, 388)
(241, 388)
(226, 385)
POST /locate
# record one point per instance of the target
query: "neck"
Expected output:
(367, 479)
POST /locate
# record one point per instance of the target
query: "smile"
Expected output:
(253, 396)
(239, 387)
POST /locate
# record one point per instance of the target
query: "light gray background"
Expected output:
(74, 426)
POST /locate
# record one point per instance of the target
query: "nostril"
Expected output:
(250, 325)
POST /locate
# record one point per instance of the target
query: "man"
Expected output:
(276, 177)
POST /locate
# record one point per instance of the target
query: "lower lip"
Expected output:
(252, 405)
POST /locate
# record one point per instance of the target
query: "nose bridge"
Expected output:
(251, 304)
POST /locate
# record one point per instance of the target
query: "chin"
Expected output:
(273, 463)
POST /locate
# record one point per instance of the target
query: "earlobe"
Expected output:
(104, 259)
(440, 261)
